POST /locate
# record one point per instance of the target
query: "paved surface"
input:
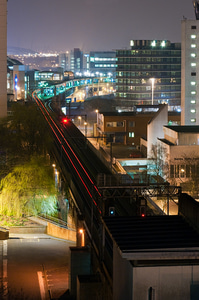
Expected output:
(24, 256)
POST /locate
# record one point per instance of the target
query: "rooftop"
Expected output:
(184, 128)
(150, 233)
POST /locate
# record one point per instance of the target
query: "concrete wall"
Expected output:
(3, 58)
(189, 208)
(155, 128)
(61, 232)
(122, 277)
(169, 282)
(188, 151)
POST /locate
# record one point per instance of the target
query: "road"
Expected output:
(34, 268)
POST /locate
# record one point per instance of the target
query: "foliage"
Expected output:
(28, 189)
(23, 134)
(158, 163)
(6, 221)
(189, 167)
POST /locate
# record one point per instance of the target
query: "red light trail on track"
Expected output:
(40, 104)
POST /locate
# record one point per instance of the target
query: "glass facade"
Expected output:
(150, 73)
(102, 62)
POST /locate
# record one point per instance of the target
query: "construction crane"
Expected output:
(196, 8)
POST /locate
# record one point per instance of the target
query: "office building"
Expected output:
(76, 61)
(101, 63)
(64, 61)
(149, 73)
(190, 72)
(3, 58)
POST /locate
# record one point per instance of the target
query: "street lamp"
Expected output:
(97, 114)
(81, 231)
(85, 124)
(79, 118)
(152, 88)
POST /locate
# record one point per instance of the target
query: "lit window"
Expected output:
(193, 83)
(193, 64)
(193, 120)
(193, 101)
(153, 44)
(192, 111)
(193, 45)
(163, 43)
(193, 92)
(193, 55)
(193, 36)
(131, 134)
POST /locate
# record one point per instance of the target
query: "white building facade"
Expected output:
(190, 72)
(3, 58)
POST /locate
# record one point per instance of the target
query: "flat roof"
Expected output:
(184, 128)
(166, 142)
(135, 233)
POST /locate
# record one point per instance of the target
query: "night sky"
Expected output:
(61, 25)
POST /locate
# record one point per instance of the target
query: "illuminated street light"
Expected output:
(97, 111)
(81, 231)
(79, 118)
(152, 89)
(85, 124)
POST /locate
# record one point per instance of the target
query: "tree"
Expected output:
(29, 189)
(25, 131)
(23, 134)
(158, 164)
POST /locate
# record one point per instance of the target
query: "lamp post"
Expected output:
(85, 124)
(152, 89)
(79, 118)
(97, 114)
(81, 231)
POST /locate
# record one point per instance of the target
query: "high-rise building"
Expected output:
(190, 69)
(3, 58)
(76, 61)
(149, 73)
(64, 61)
(102, 62)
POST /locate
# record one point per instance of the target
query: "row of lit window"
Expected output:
(144, 96)
(193, 83)
(141, 59)
(148, 74)
(120, 124)
(184, 170)
(143, 52)
(148, 88)
(146, 80)
(149, 66)
(102, 59)
(105, 66)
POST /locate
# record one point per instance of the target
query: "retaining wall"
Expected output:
(61, 232)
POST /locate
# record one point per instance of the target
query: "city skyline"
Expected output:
(48, 25)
